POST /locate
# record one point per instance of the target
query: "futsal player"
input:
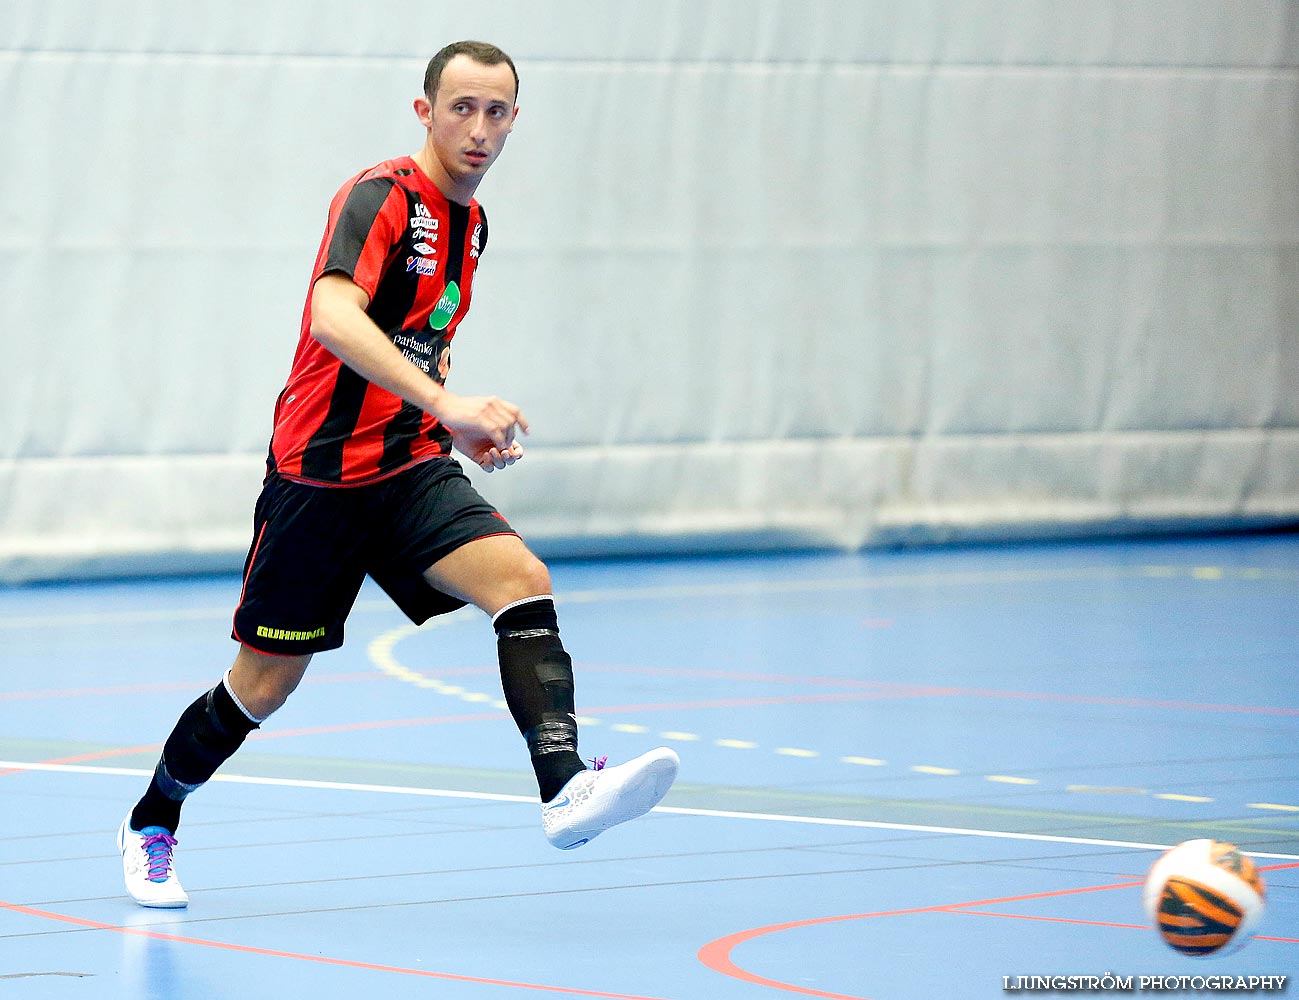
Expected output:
(360, 480)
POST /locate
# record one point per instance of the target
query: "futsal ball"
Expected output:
(1204, 897)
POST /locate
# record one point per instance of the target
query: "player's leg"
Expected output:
(447, 547)
(262, 682)
(502, 577)
(205, 736)
(301, 577)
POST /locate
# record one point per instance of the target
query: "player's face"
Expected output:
(469, 119)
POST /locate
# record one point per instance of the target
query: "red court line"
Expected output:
(1051, 920)
(781, 699)
(922, 691)
(319, 959)
(1092, 923)
(119, 689)
(876, 689)
(1079, 699)
(81, 758)
(716, 955)
(437, 720)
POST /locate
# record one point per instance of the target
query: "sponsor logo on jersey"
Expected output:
(422, 265)
(446, 307)
(423, 222)
(425, 249)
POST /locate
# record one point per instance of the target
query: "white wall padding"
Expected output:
(761, 272)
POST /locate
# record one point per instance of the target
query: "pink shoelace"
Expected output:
(157, 846)
(597, 763)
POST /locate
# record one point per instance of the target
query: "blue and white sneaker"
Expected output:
(148, 867)
(602, 797)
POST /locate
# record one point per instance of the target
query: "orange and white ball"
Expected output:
(1204, 898)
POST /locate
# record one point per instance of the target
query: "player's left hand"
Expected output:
(486, 455)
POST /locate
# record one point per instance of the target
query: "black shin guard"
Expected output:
(537, 678)
(208, 732)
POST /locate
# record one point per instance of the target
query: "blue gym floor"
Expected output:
(905, 775)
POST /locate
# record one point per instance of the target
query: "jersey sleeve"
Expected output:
(368, 223)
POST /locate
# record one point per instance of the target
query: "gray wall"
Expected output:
(761, 273)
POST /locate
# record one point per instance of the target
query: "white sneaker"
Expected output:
(147, 866)
(597, 799)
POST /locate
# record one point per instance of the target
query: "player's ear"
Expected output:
(424, 111)
(514, 117)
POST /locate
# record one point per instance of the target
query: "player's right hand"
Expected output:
(495, 418)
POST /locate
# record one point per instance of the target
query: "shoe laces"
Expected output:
(597, 763)
(157, 848)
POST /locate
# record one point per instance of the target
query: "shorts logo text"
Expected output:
(290, 635)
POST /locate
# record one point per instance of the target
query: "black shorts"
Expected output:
(313, 546)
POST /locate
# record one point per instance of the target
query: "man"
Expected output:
(360, 480)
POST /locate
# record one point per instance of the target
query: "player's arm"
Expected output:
(340, 323)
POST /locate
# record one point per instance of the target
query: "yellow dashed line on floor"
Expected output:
(381, 653)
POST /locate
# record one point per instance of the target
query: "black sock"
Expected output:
(208, 732)
(537, 677)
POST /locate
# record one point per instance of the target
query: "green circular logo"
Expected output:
(446, 308)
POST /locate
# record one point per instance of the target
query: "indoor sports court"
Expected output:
(904, 774)
(912, 404)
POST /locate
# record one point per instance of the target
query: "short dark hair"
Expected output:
(480, 52)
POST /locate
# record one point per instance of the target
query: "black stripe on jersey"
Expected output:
(398, 436)
(395, 297)
(322, 459)
(455, 263)
(454, 266)
(482, 235)
(355, 220)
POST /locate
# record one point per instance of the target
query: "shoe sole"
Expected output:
(637, 797)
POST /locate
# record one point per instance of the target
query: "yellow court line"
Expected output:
(381, 653)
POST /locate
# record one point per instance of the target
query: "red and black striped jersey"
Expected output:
(414, 253)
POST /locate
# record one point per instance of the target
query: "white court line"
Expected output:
(445, 793)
